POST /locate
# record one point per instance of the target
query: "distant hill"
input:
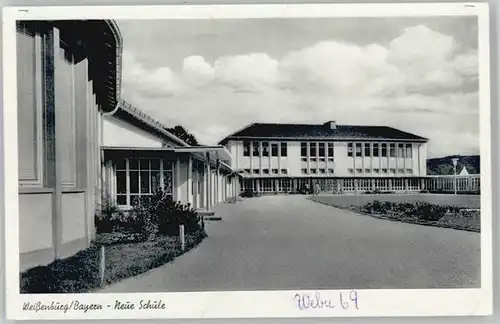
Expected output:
(444, 165)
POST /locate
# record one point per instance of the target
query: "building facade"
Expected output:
(287, 157)
(79, 143)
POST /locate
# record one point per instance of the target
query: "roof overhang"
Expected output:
(330, 139)
(213, 152)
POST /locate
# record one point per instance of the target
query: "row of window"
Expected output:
(399, 150)
(384, 171)
(266, 171)
(141, 177)
(264, 147)
(316, 149)
(314, 159)
(317, 171)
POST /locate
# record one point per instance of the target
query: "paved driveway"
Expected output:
(289, 242)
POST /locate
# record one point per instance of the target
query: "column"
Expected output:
(257, 182)
(190, 181)
(208, 177)
(406, 185)
(277, 185)
(177, 180)
(356, 185)
(422, 184)
(390, 184)
(218, 187)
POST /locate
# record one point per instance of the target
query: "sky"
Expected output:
(215, 77)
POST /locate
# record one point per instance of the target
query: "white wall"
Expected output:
(118, 133)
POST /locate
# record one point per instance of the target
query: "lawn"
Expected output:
(125, 257)
(344, 201)
(459, 212)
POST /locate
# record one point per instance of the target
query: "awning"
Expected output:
(214, 152)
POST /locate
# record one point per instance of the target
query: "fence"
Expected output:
(450, 183)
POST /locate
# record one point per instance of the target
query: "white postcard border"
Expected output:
(250, 304)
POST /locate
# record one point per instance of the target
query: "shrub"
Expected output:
(248, 193)
(163, 215)
(429, 212)
(109, 218)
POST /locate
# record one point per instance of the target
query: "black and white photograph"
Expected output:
(313, 159)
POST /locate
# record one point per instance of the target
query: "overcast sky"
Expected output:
(215, 77)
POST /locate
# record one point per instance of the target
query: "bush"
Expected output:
(162, 215)
(420, 210)
(248, 193)
(429, 212)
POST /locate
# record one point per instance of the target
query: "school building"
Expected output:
(283, 158)
(79, 143)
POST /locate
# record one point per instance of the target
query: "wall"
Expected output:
(118, 133)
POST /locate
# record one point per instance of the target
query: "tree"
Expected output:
(184, 135)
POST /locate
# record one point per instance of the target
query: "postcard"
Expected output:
(247, 161)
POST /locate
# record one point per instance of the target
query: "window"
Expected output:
(265, 148)
(313, 159)
(265, 171)
(256, 171)
(368, 171)
(401, 170)
(409, 171)
(359, 170)
(349, 149)
(304, 159)
(303, 149)
(392, 150)
(284, 149)
(274, 149)
(376, 170)
(393, 171)
(409, 151)
(256, 149)
(358, 149)
(322, 171)
(312, 149)
(321, 149)
(330, 149)
(331, 171)
(367, 150)
(313, 171)
(384, 171)
(284, 171)
(142, 177)
(375, 150)
(248, 171)
(275, 171)
(350, 170)
(303, 171)
(246, 148)
(401, 150)
(383, 148)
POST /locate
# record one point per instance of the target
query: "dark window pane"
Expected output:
(134, 181)
(120, 164)
(392, 150)
(155, 164)
(284, 150)
(155, 181)
(274, 149)
(349, 149)
(265, 148)
(144, 164)
(167, 165)
(133, 164)
(368, 149)
(167, 181)
(256, 149)
(358, 149)
(246, 148)
(144, 182)
(321, 149)
(303, 149)
(330, 149)
(384, 150)
(121, 182)
(312, 149)
(121, 199)
(375, 150)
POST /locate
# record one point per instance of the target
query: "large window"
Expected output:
(383, 147)
(142, 177)
(246, 148)
(349, 149)
(256, 149)
(330, 149)
(274, 149)
(408, 151)
(312, 149)
(401, 150)
(303, 149)
(368, 152)
(284, 151)
(392, 150)
(321, 149)
(375, 150)
(265, 148)
(358, 149)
